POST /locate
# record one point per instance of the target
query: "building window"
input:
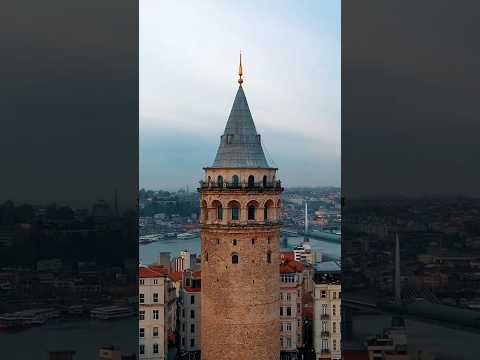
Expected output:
(289, 311)
(253, 241)
(281, 295)
(265, 213)
(206, 256)
(251, 212)
(281, 310)
(155, 348)
(183, 341)
(269, 257)
(142, 298)
(289, 327)
(264, 180)
(334, 325)
(218, 241)
(192, 342)
(220, 181)
(141, 332)
(235, 259)
(142, 315)
(142, 349)
(323, 294)
(235, 180)
(192, 314)
(183, 313)
(334, 345)
(268, 240)
(289, 297)
(192, 328)
(192, 299)
(155, 282)
(155, 315)
(183, 327)
(334, 310)
(155, 297)
(155, 331)
(142, 282)
(219, 212)
(334, 295)
(234, 242)
(251, 181)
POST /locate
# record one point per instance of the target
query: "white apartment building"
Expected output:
(157, 312)
(189, 315)
(291, 308)
(327, 316)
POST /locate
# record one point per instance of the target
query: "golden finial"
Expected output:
(240, 71)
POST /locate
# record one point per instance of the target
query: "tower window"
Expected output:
(251, 212)
(235, 180)
(235, 242)
(251, 181)
(269, 257)
(235, 259)
(220, 180)
(235, 213)
(206, 256)
(253, 241)
(268, 240)
(219, 212)
(265, 181)
(218, 241)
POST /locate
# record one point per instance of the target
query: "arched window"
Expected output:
(220, 180)
(267, 210)
(235, 258)
(269, 257)
(251, 181)
(234, 210)
(235, 180)
(219, 209)
(204, 211)
(251, 212)
(206, 256)
(264, 180)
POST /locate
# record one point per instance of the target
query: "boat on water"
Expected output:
(26, 318)
(148, 239)
(184, 236)
(111, 312)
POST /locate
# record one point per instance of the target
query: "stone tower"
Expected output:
(240, 228)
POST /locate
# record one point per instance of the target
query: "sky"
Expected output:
(188, 64)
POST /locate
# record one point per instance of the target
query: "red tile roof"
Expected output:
(191, 289)
(176, 275)
(291, 266)
(152, 271)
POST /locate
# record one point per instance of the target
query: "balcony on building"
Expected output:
(229, 186)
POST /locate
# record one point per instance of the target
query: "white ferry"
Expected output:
(184, 236)
(110, 312)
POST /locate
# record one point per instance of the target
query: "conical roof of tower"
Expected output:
(240, 145)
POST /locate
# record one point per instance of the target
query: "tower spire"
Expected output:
(240, 71)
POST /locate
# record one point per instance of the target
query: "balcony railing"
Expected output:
(324, 317)
(225, 185)
(325, 334)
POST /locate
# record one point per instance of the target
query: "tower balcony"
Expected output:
(239, 186)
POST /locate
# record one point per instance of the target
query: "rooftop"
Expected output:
(240, 145)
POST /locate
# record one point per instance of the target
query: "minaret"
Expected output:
(306, 218)
(398, 297)
(240, 235)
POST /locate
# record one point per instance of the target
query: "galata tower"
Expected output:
(240, 228)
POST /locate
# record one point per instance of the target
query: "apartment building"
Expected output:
(157, 312)
(327, 315)
(189, 315)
